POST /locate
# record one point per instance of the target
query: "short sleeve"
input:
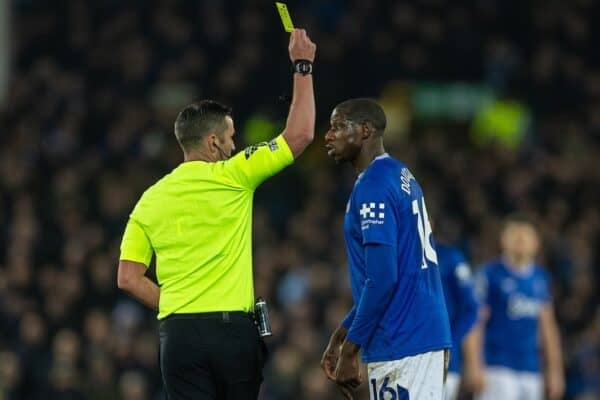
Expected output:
(135, 245)
(375, 205)
(542, 287)
(252, 166)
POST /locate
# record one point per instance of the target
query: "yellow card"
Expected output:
(286, 20)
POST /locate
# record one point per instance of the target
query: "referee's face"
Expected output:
(342, 141)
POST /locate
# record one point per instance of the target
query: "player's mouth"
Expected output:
(330, 150)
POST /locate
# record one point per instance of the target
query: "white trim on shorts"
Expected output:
(503, 383)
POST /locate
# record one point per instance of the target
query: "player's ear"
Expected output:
(366, 130)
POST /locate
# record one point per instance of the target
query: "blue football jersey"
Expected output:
(386, 207)
(459, 291)
(515, 300)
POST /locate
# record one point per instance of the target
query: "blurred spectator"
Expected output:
(11, 376)
(64, 383)
(133, 386)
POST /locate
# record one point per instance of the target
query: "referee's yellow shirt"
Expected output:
(198, 222)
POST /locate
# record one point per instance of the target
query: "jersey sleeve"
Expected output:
(545, 287)
(467, 302)
(136, 245)
(375, 205)
(251, 167)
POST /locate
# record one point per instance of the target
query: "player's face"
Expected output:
(226, 142)
(520, 240)
(342, 140)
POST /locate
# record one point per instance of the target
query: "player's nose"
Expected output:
(329, 135)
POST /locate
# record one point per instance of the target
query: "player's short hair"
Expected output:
(364, 110)
(197, 120)
(521, 219)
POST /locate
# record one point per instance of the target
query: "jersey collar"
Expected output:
(519, 272)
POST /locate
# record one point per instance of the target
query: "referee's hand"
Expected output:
(301, 47)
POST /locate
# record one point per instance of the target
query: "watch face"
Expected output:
(303, 67)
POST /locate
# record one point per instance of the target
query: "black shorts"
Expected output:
(211, 356)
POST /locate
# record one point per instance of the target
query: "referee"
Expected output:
(197, 220)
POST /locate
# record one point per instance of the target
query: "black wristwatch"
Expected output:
(303, 67)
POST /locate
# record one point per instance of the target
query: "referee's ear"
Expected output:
(211, 141)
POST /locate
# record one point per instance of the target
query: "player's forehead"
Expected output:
(515, 227)
(337, 117)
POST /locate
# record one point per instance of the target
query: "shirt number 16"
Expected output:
(424, 228)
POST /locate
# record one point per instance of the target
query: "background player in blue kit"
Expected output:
(459, 291)
(519, 320)
(399, 320)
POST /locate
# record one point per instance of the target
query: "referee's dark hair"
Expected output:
(364, 111)
(197, 120)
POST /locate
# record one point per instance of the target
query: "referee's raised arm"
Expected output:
(300, 126)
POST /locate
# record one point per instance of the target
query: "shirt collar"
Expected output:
(520, 272)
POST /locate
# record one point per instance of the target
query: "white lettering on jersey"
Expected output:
(405, 178)
(520, 306)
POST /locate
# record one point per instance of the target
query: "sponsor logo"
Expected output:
(273, 145)
(372, 213)
(251, 149)
(520, 306)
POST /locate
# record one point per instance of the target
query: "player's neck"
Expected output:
(518, 262)
(366, 156)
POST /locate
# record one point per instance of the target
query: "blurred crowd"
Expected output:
(87, 127)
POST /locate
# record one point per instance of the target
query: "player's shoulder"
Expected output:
(540, 272)
(448, 251)
(491, 268)
(383, 174)
(382, 168)
(451, 257)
